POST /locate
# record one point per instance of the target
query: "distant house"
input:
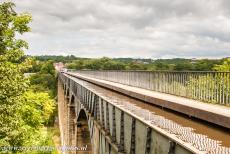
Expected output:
(59, 66)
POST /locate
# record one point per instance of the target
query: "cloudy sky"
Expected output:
(129, 28)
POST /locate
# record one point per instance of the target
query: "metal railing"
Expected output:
(211, 87)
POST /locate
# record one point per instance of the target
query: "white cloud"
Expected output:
(129, 28)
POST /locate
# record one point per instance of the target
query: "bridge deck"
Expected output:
(188, 133)
(216, 114)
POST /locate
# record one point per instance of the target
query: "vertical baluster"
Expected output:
(90, 101)
(121, 145)
(221, 87)
(198, 86)
(209, 82)
(102, 114)
(180, 87)
(96, 107)
(166, 82)
(184, 84)
(149, 81)
(201, 85)
(208, 87)
(163, 82)
(133, 136)
(189, 83)
(172, 147)
(174, 84)
(80, 93)
(158, 81)
(224, 88)
(177, 84)
(214, 87)
(170, 83)
(87, 99)
(114, 140)
(227, 88)
(217, 87)
(84, 97)
(107, 119)
(148, 140)
(153, 81)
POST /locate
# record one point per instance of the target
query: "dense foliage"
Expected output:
(13, 130)
(24, 110)
(43, 77)
(225, 66)
(175, 64)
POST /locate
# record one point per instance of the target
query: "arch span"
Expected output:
(72, 122)
(67, 94)
(83, 131)
(72, 100)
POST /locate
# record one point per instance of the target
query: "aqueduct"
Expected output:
(98, 124)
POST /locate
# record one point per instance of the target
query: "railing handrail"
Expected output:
(163, 71)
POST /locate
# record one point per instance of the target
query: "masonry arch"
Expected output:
(67, 94)
(83, 131)
(72, 100)
(72, 122)
(63, 86)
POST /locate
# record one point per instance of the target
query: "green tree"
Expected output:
(223, 67)
(136, 66)
(44, 80)
(48, 68)
(161, 65)
(183, 66)
(36, 66)
(13, 132)
(38, 108)
(204, 65)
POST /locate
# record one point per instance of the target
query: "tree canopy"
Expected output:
(12, 81)
(225, 66)
(24, 109)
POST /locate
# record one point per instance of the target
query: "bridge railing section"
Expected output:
(211, 87)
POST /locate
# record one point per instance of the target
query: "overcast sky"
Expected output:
(129, 28)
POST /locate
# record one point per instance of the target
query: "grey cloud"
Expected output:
(132, 28)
